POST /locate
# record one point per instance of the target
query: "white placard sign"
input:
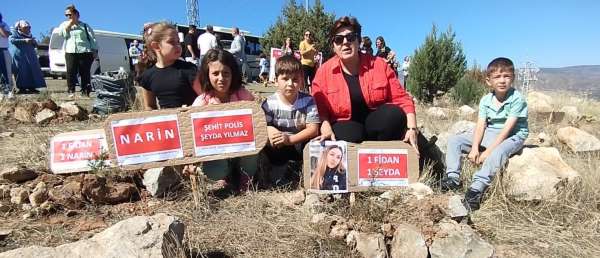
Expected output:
(72, 152)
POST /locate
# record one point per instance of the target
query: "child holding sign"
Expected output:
(220, 81)
(292, 120)
(501, 131)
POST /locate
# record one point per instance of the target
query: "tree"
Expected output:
(45, 37)
(294, 21)
(436, 65)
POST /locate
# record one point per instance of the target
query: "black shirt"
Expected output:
(171, 85)
(191, 39)
(383, 53)
(358, 105)
(334, 181)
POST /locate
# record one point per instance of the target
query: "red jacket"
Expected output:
(377, 80)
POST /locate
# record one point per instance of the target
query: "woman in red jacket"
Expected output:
(358, 96)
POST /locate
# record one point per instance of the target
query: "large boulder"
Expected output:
(536, 174)
(18, 174)
(459, 241)
(369, 245)
(539, 102)
(141, 236)
(408, 242)
(577, 139)
(160, 181)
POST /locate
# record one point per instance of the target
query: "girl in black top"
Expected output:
(330, 173)
(170, 80)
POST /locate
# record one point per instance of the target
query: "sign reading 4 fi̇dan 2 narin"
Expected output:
(141, 140)
(72, 152)
(382, 167)
(220, 132)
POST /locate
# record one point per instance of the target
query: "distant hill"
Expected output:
(580, 79)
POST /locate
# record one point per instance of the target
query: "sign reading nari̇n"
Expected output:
(382, 167)
(220, 132)
(72, 152)
(141, 140)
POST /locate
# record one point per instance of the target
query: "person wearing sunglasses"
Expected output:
(359, 97)
(80, 50)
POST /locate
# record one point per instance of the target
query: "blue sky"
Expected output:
(551, 33)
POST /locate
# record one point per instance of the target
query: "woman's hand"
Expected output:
(326, 132)
(411, 138)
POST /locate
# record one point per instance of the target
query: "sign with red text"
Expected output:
(382, 167)
(221, 132)
(141, 140)
(73, 152)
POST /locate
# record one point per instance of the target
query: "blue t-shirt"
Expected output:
(515, 105)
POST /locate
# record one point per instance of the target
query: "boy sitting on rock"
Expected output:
(292, 120)
(500, 132)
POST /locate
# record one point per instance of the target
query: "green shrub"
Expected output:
(468, 90)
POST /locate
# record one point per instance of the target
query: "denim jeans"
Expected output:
(483, 177)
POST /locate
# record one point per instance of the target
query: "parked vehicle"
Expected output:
(113, 52)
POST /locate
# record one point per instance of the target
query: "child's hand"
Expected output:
(272, 133)
(483, 156)
(189, 170)
(473, 155)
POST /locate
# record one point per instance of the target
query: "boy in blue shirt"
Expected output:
(500, 132)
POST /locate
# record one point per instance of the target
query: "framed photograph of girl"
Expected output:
(328, 167)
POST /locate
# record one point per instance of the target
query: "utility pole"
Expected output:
(528, 76)
(192, 12)
(306, 5)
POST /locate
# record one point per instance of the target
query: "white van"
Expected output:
(113, 52)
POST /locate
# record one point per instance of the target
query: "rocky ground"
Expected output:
(546, 203)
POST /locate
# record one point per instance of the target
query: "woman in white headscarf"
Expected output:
(26, 65)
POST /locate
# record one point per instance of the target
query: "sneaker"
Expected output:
(34, 91)
(449, 184)
(10, 95)
(473, 199)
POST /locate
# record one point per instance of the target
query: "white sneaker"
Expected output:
(10, 95)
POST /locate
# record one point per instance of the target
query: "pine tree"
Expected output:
(436, 65)
(294, 21)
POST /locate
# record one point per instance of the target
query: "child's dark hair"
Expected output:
(287, 64)
(262, 55)
(225, 58)
(500, 64)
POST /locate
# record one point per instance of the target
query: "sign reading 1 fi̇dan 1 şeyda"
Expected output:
(141, 140)
(72, 152)
(382, 167)
(220, 132)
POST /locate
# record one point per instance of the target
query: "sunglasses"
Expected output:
(339, 39)
(67, 15)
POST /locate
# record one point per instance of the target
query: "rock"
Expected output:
(420, 190)
(456, 209)
(339, 231)
(4, 232)
(73, 110)
(39, 195)
(4, 191)
(541, 140)
(536, 174)
(160, 181)
(68, 196)
(4, 207)
(313, 203)
(298, 197)
(539, 102)
(44, 116)
(71, 213)
(459, 241)
(438, 112)
(408, 242)
(49, 104)
(324, 223)
(390, 195)
(578, 140)
(466, 111)
(19, 195)
(17, 174)
(95, 189)
(7, 134)
(24, 114)
(462, 126)
(571, 112)
(370, 245)
(139, 236)
(387, 229)
(7, 111)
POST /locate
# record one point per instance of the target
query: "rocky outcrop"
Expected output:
(578, 140)
(459, 241)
